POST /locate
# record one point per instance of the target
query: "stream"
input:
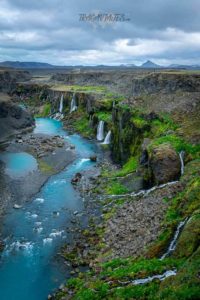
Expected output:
(34, 233)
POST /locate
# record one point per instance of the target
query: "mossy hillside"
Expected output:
(127, 134)
(186, 284)
(79, 122)
(189, 239)
(115, 188)
(184, 205)
(107, 282)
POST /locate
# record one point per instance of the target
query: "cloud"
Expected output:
(50, 31)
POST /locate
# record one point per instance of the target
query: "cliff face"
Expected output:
(9, 79)
(127, 136)
(135, 83)
(13, 119)
(166, 83)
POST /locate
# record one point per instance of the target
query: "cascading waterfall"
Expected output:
(73, 103)
(140, 281)
(107, 138)
(151, 278)
(173, 243)
(143, 192)
(61, 104)
(100, 131)
(181, 155)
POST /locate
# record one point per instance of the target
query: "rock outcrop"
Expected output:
(13, 119)
(164, 164)
(9, 79)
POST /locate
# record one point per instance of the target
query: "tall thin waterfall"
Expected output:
(172, 245)
(181, 155)
(100, 131)
(90, 121)
(73, 103)
(107, 138)
(61, 104)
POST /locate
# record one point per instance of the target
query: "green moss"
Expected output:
(130, 166)
(79, 88)
(189, 240)
(81, 125)
(177, 143)
(46, 111)
(138, 121)
(128, 268)
(136, 292)
(186, 284)
(104, 116)
(183, 205)
(44, 167)
(161, 127)
(116, 188)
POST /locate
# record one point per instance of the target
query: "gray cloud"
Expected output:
(50, 31)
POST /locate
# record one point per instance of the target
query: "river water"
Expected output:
(34, 233)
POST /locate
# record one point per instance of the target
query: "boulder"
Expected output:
(93, 158)
(164, 164)
(76, 178)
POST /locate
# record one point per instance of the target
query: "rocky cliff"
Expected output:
(135, 83)
(13, 119)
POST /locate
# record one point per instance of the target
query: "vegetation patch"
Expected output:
(104, 116)
(46, 111)
(116, 188)
(79, 88)
(44, 167)
(81, 125)
(178, 144)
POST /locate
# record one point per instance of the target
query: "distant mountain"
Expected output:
(150, 64)
(26, 65)
(186, 67)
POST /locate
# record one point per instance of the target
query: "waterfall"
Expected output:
(107, 138)
(100, 131)
(181, 155)
(73, 103)
(172, 245)
(151, 278)
(140, 281)
(143, 192)
(61, 104)
(113, 104)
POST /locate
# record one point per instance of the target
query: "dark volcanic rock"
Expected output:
(13, 119)
(93, 158)
(76, 178)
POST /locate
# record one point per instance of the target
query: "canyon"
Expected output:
(128, 226)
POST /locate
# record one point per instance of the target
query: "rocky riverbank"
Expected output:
(52, 155)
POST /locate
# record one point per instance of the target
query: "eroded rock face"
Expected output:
(13, 119)
(164, 163)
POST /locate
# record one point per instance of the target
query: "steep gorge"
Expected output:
(147, 135)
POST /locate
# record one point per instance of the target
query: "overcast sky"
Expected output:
(165, 31)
